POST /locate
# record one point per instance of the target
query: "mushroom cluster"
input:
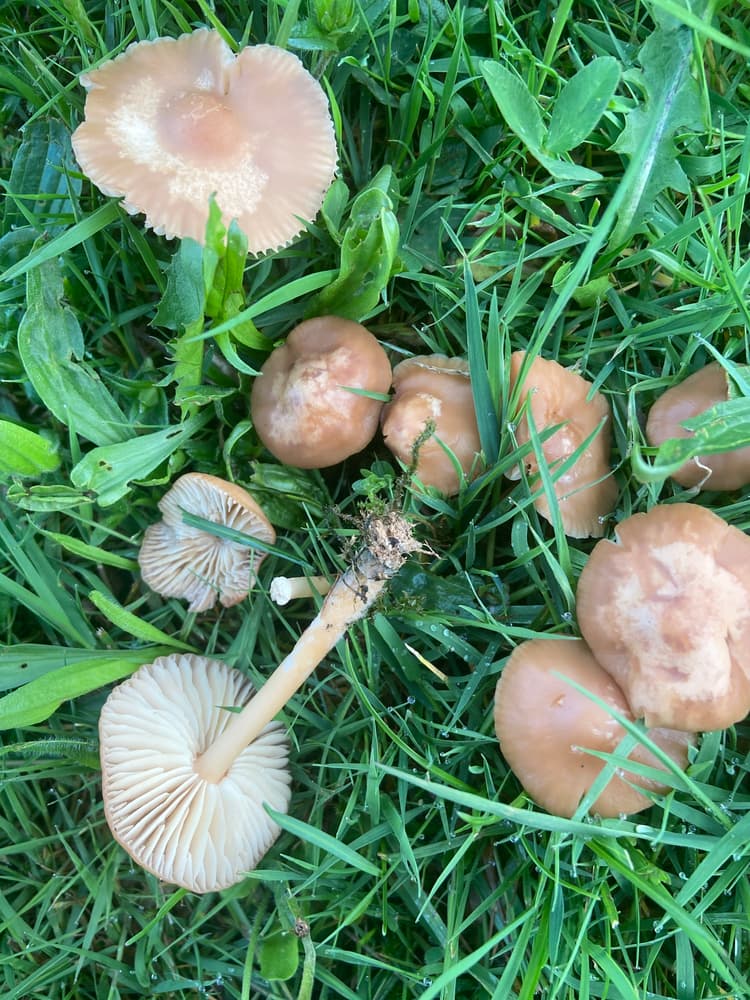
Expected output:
(172, 121)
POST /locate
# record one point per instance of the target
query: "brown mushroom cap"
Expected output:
(301, 403)
(172, 121)
(545, 725)
(666, 611)
(587, 492)
(195, 833)
(178, 560)
(727, 470)
(433, 389)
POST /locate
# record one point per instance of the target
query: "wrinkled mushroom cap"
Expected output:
(433, 389)
(171, 121)
(587, 492)
(545, 726)
(727, 470)
(300, 403)
(188, 831)
(666, 611)
(178, 560)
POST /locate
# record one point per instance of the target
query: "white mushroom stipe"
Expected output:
(388, 540)
(284, 589)
(202, 835)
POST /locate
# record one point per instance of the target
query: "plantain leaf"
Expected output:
(51, 346)
(24, 453)
(581, 104)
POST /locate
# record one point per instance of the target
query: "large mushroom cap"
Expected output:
(172, 121)
(586, 492)
(666, 611)
(179, 560)
(302, 403)
(433, 389)
(186, 830)
(726, 470)
(545, 726)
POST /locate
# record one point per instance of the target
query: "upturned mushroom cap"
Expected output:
(301, 403)
(188, 831)
(666, 611)
(172, 121)
(433, 389)
(178, 560)
(587, 492)
(545, 726)
(727, 470)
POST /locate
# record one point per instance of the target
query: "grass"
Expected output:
(411, 864)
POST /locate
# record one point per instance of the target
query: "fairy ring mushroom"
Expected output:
(726, 470)
(586, 491)
(200, 834)
(433, 391)
(179, 560)
(545, 726)
(170, 122)
(315, 401)
(666, 611)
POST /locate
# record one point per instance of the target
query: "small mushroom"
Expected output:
(545, 728)
(284, 589)
(433, 391)
(666, 611)
(310, 402)
(199, 834)
(586, 492)
(179, 560)
(172, 121)
(727, 470)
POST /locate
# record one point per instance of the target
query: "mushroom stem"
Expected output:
(284, 589)
(388, 540)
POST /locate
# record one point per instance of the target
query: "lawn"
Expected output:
(570, 179)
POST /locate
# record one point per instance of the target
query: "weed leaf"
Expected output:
(581, 104)
(24, 453)
(672, 102)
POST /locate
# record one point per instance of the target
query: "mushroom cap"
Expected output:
(587, 492)
(545, 725)
(300, 402)
(178, 560)
(434, 389)
(666, 611)
(171, 121)
(726, 470)
(186, 830)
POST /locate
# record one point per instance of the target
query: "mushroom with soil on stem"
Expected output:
(177, 763)
(666, 611)
(181, 560)
(705, 388)
(545, 726)
(317, 398)
(170, 122)
(433, 391)
(586, 491)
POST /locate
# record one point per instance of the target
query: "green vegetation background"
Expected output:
(495, 193)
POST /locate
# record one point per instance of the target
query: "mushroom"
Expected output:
(388, 540)
(666, 611)
(433, 392)
(179, 560)
(546, 726)
(586, 491)
(172, 121)
(284, 589)
(727, 470)
(199, 834)
(310, 402)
